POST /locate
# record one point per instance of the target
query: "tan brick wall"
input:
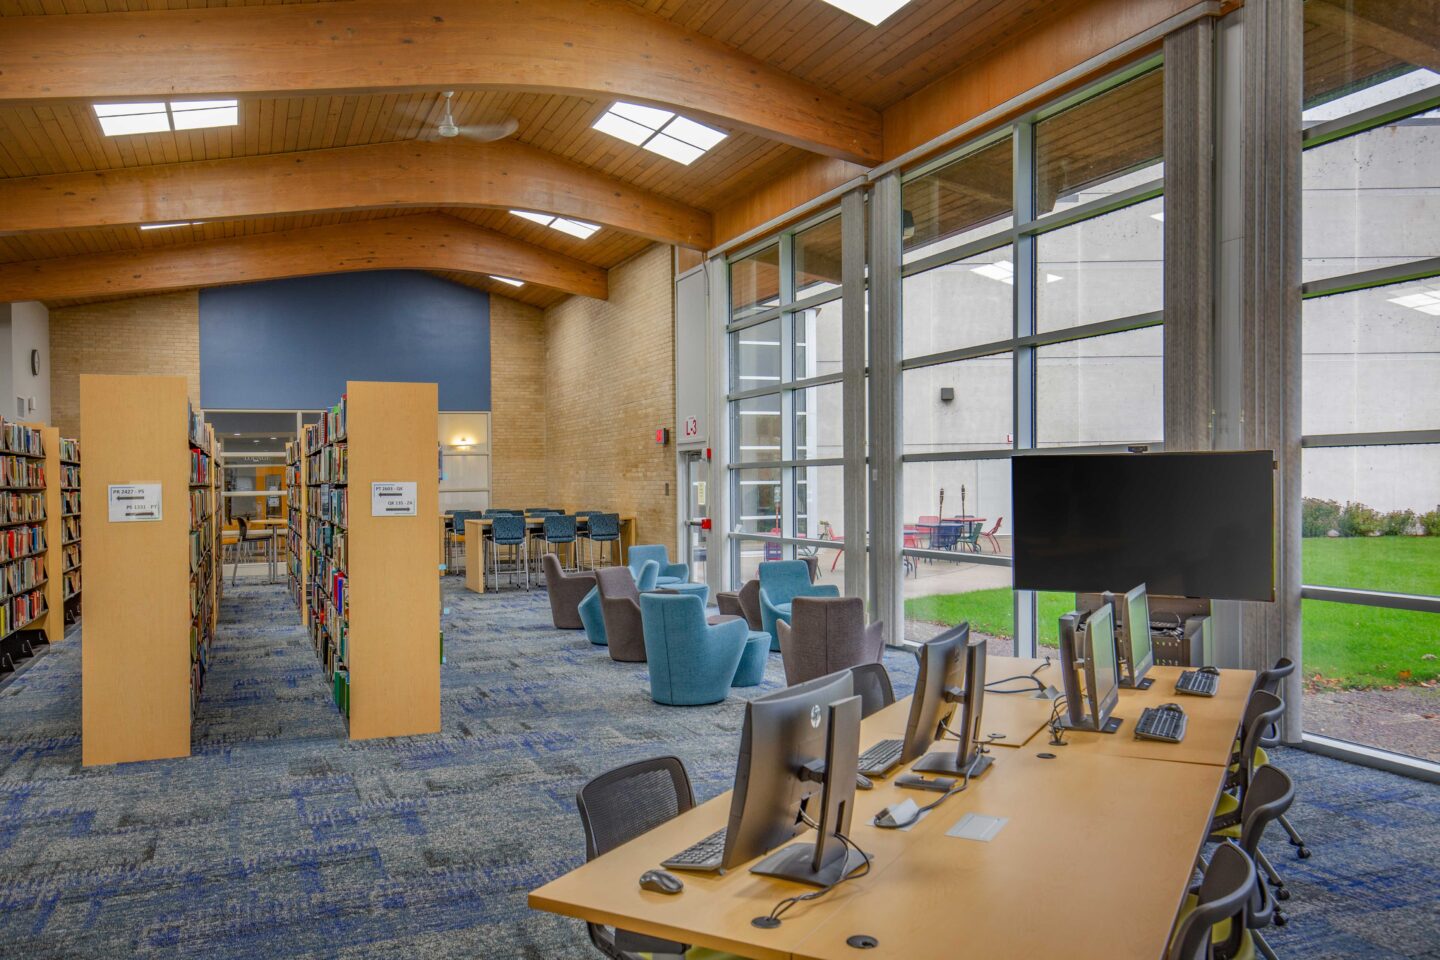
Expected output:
(517, 404)
(610, 367)
(158, 336)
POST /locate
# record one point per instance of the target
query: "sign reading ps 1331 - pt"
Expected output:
(392, 499)
(134, 502)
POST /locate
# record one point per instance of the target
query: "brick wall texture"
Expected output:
(610, 370)
(518, 474)
(156, 336)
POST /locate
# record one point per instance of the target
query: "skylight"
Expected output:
(576, 228)
(873, 12)
(1424, 300)
(167, 226)
(508, 280)
(124, 119)
(659, 131)
(1004, 271)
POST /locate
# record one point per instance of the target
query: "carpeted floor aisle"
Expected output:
(279, 838)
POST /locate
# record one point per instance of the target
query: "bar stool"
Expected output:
(557, 531)
(458, 519)
(603, 528)
(509, 532)
(263, 538)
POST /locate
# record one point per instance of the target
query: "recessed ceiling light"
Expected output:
(167, 226)
(873, 12)
(511, 281)
(1427, 301)
(1004, 271)
(575, 228)
(659, 131)
(124, 119)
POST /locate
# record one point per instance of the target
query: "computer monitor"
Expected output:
(781, 765)
(1137, 655)
(827, 860)
(942, 668)
(967, 760)
(1095, 658)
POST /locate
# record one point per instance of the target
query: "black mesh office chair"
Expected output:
(1269, 681)
(1219, 902)
(872, 686)
(618, 806)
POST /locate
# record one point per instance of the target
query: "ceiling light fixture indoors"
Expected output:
(873, 12)
(508, 280)
(167, 226)
(659, 131)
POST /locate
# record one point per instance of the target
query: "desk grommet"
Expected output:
(862, 941)
(1046, 756)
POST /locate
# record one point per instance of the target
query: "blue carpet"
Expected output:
(279, 838)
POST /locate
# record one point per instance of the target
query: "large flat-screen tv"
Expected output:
(1184, 524)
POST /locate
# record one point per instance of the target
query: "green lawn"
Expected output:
(1345, 645)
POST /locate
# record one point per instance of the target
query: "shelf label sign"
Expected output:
(134, 502)
(392, 499)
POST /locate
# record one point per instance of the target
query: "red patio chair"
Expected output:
(990, 534)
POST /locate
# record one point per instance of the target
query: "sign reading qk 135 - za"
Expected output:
(134, 502)
(392, 499)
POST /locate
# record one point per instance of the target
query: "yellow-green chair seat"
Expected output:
(694, 953)
(1219, 932)
(1228, 804)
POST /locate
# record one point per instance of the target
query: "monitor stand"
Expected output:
(947, 762)
(1111, 725)
(1144, 684)
(796, 862)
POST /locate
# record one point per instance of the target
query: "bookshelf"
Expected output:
(369, 574)
(151, 570)
(66, 532)
(25, 556)
(297, 556)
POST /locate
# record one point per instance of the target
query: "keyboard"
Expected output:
(704, 855)
(881, 758)
(1198, 684)
(1165, 723)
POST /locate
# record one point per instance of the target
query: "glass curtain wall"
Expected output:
(786, 416)
(1371, 378)
(1033, 277)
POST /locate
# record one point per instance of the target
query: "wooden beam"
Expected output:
(602, 49)
(421, 242)
(1406, 32)
(458, 173)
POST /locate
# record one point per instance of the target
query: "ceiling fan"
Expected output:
(448, 129)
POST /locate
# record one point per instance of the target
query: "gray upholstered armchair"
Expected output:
(620, 609)
(826, 634)
(566, 591)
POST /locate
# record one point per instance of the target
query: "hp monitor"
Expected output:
(942, 670)
(781, 765)
(1137, 655)
(967, 759)
(1094, 659)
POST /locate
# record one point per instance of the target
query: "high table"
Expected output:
(279, 526)
(1094, 861)
(475, 537)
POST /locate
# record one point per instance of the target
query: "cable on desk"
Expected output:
(1039, 685)
(773, 918)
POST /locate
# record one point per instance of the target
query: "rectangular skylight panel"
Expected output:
(696, 134)
(126, 109)
(618, 126)
(120, 126)
(202, 119)
(873, 12)
(541, 218)
(1415, 300)
(180, 106)
(576, 228)
(668, 146)
(645, 116)
(166, 226)
(508, 280)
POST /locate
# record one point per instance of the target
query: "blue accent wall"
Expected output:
(292, 344)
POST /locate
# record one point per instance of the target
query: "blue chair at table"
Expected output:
(670, 573)
(509, 532)
(559, 530)
(604, 529)
(591, 616)
(691, 661)
(781, 581)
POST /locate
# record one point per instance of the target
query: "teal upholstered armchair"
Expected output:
(669, 572)
(781, 581)
(691, 661)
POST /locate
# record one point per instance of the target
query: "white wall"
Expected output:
(24, 327)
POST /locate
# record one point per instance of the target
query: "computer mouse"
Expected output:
(660, 881)
(1214, 670)
(863, 782)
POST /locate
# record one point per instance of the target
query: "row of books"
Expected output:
(70, 450)
(69, 477)
(17, 438)
(199, 548)
(331, 504)
(21, 472)
(200, 590)
(21, 507)
(21, 541)
(340, 690)
(18, 576)
(72, 583)
(70, 503)
(69, 556)
(70, 530)
(199, 507)
(17, 612)
(329, 464)
(330, 541)
(330, 429)
(199, 467)
(198, 437)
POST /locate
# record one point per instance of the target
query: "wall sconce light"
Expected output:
(464, 443)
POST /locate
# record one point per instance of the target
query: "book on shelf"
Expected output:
(17, 612)
(20, 575)
(70, 530)
(69, 476)
(22, 541)
(22, 507)
(330, 428)
(18, 438)
(69, 450)
(21, 471)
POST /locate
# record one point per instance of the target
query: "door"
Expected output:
(696, 472)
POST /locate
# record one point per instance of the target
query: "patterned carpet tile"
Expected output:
(279, 838)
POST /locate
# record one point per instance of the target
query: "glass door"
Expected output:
(697, 512)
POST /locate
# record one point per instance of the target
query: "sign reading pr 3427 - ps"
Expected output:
(134, 502)
(392, 499)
